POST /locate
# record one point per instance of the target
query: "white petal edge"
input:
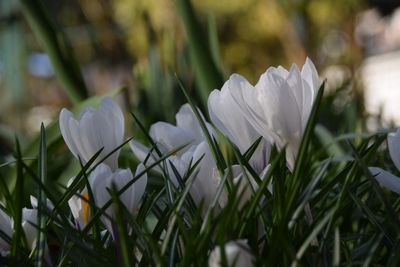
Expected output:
(386, 179)
(65, 117)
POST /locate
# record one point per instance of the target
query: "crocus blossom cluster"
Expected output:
(276, 109)
(95, 130)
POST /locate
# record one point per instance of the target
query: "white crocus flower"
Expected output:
(385, 178)
(94, 129)
(237, 254)
(79, 206)
(29, 225)
(205, 185)
(30, 221)
(101, 180)
(29, 217)
(221, 106)
(225, 114)
(279, 105)
(169, 137)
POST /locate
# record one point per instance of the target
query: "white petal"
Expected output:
(295, 83)
(223, 198)
(394, 147)
(76, 206)
(310, 75)
(282, 113)
(100, 172)
(85, 111)
(238, 97)
(109, 142)
(181, 164)
(91, 131)
(29, 219)
(260, 156)
(311, 84)
(386, 179)
(245, 189)
(76, 136)
(101, 179)
(246, 98)
(120, 178)
(34, 203)
(94, 130)
(204, 188)
(280, 71)
(104, 180)
(142, 152)
(308, 101)
(237, 254)
(113, 113)
(280, 107)
(5, 226)
(214, 99)
(89, 137)
(222, 106)
(291, 153)
(255, 105)
(186, 119)
(170, 136)
(64, 121)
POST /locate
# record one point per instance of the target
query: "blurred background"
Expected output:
(141, 44)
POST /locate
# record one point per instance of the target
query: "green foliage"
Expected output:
(329, 211)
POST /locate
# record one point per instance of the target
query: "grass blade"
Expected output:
(42, 170)
(315, 231)
(18, 235)
(254, 203)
